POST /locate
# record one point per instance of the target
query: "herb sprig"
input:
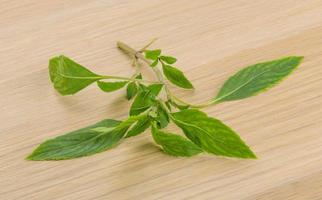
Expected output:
(155, 106)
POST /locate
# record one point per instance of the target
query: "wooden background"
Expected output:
(212, 39)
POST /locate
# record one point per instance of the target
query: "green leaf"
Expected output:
(211, 134)
(131, 90)
(68, 76)
(139, 76)
(139, 127)
(111, 86)
(145, 99)
(152, 54)
(179, 106)
(176, 77)
(168, 104)
(175, 145)
(168, 59)
(102, 129)
(155, 63)
(142, 87)
(84, 142)
(154, 89)
(257, 78)
(162, 117)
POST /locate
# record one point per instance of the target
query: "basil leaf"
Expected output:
(168, 59)
(139, 76)
(162, 117)
(168, 104)
(176, 77)
(82, 142)
(131, 90)
(179, 106)
(142, 87)
(145, 99)
(102, 129)
(175, 145)
(68, 76)
(111, 86)
(155, 63)
(152, 54)
(154, 89)
(211, 134)
(139, 127)
(256, 78)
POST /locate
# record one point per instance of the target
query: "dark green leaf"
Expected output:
(145, 99)
(162, 117)
(176, 77)
(68, 76)
(168, 104)
(111, 86)
(168, 59)
(152, 54)
(83, 142)
(211, 134)
(131, 90)
(179, 106)
(139, 127)
(256, 78)
(142, 87)
(174, 144)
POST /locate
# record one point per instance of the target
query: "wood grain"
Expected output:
(212, 40)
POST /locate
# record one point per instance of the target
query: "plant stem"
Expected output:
(127, 79)
(147, 45)
(138, 55)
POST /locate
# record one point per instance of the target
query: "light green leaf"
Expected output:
(168, 59)
(68, 76)
(86, 141)
(131, 90)
(211, 134)
(139, 127)
(257, 78)
(173, 144)
(152, 54)
(111, 86)
(145, 99)
(176, 77)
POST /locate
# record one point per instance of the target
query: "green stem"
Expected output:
(127, 79)
(132, 119)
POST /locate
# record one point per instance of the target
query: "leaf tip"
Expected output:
(253, 156)
(30, 157)
(191, 87)
(298, 59)
(250, 154)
